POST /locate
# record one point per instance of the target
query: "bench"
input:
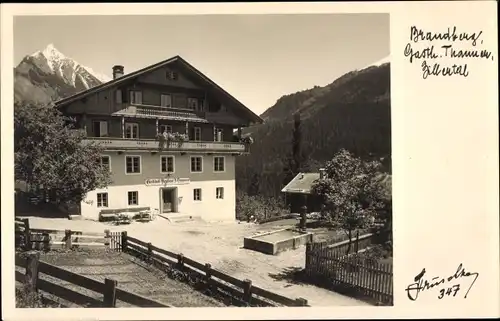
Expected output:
(141, 213)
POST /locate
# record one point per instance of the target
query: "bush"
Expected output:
(256, 206)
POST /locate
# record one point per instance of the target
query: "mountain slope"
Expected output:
(353, 113)
(49, 75)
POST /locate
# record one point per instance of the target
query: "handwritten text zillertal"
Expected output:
(436, 50)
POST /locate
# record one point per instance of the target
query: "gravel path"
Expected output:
(220, 244)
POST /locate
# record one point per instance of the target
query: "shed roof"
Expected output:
(301, 183)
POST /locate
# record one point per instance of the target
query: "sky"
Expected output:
(256, 58)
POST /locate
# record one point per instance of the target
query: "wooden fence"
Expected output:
(45, 239)
(332, 266)
(243, 291)
(108, 289)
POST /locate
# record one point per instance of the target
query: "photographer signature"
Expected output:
(420, 285)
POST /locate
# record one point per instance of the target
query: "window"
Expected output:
(197, 134)
(218, 134)
(165, 128)
(166, 100)
(133, 198)
(218, 163)
(132, 130)
(219, 193)
(100, 128)
(192, 103)
(133, 164)
(167, 164)
(197, 194)
(106, 162)
(172, 75)
(102, 199)
(136, 97)
(196, 164)
(118, 96)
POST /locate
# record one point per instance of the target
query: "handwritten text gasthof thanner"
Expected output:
(433, 51)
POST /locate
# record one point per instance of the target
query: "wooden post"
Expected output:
(180, 261)
(356, 246)
(68, 239)
(109, 300)
(247, 290)
(150, 253)
(27, 235)
(187, 129)
(301, 302)
(107, 237)
(46, 241)
(124, 241)
(208, 272)
(157, 132)
(123, 127)
(303, 217)
(31, 276)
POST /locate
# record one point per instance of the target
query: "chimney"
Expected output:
(322, 173)
(117, 71)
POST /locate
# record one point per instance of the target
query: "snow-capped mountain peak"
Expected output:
(66, 67)
(48, 75)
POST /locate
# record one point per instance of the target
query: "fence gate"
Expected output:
(115, 241)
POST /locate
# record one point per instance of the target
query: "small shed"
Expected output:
(298, 192)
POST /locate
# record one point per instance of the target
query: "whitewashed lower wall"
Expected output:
(209, 208)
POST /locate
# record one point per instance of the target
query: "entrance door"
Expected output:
(168, 200)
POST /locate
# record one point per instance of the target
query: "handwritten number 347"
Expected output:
(449, 291)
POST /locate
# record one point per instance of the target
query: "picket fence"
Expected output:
(333, 266)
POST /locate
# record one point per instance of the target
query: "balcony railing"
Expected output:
(122, 144)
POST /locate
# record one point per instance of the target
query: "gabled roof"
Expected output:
(192, 70)
(301, 183)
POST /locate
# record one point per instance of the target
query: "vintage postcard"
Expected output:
(302, 160)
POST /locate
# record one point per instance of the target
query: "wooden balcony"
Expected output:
(153, 145)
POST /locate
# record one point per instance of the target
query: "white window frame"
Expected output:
(140, 164)
(197, 130)
(200, 195)
(223, 164)
(191, 164)
(132, 125)
(168, 129)
(167, 103)
(219, 193)
(166, 157)
(107, 200)
(135, 97)
(109, 160)
(100, 127)
(136, 198)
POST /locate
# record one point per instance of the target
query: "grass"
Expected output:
(131, 277)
